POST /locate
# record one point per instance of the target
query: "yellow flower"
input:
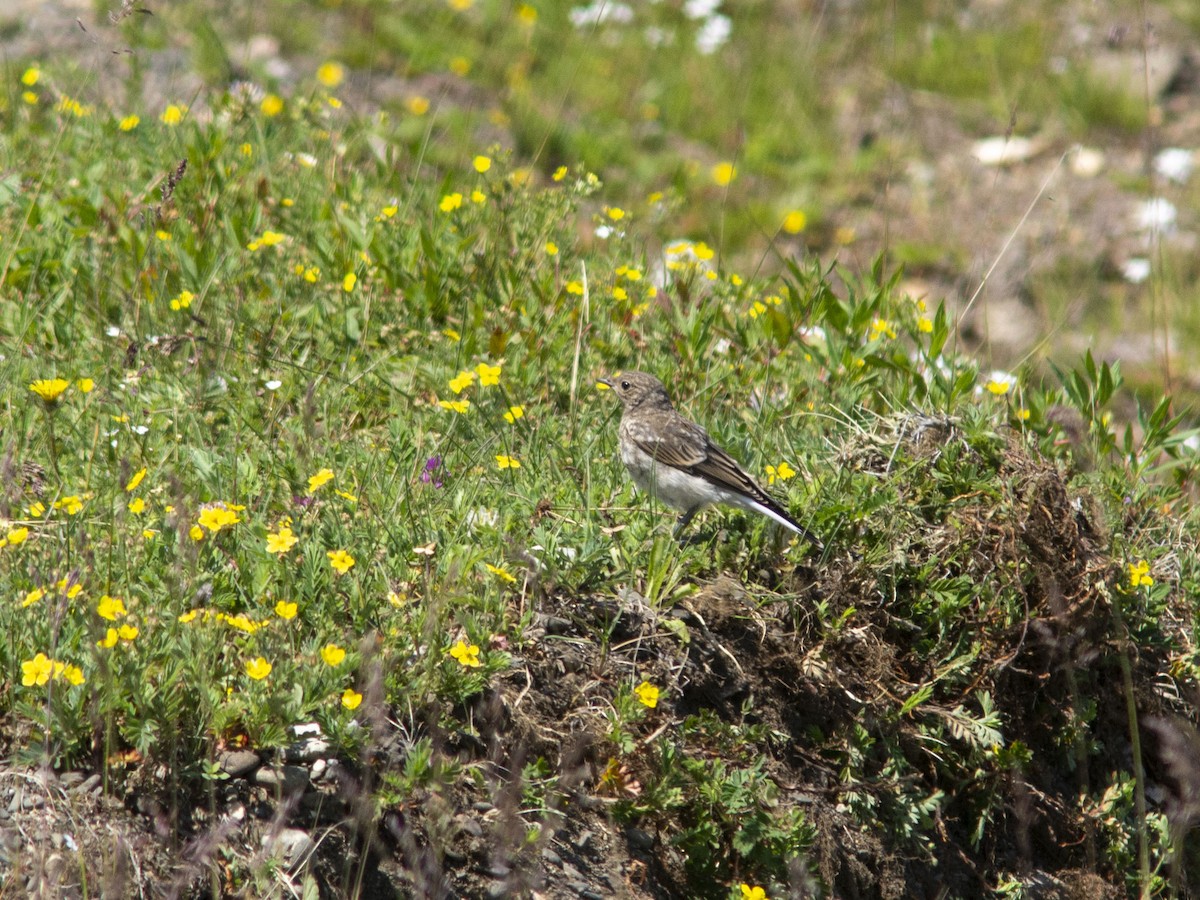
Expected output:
(173, 114)
(507, 462)
(481, 163)
(782, 472)
(214, 518)
(560, 173)
(467, 655)
(37, 671)
(258, 668)
(349, 281)
(29, 97)
(574, 287)
(459, 406)
(33, 597)
(340, 560)
(501, 573)
(188, 616)
(925, 325)
(50, 389)
(286, 609)
(272, 105)
(30, 76)
(488, 375)
(351, 698)
(753, 893)
(135, 480)
(164, 236)
(137, 506)
(723, 174)
(795, 222)
(882, 328)
(418, 106)
(647, 694)
(196, 533)
(526, 14)
(109, 640)
(333, 655)
(615, 213)
(331, 74)
(322, 477)
(73, 675)
(460, 66)
(111, 608)
(72, 504)
(461, 381)
(514, 413)
(450, 202)
(1139, 574)
(127, 632)
(17, 536)
(478, 197)
(551, 248)
(129, 123)
(281, 541)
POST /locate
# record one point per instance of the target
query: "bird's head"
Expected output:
(638, 390)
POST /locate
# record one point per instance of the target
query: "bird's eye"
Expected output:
(624, 385)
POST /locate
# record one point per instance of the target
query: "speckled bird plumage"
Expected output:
(674, 459)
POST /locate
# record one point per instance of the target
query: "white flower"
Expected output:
(713, 34)
(700, 9)
(1157, 215)
(273, 385)
(1136, 270)
(1174, 164)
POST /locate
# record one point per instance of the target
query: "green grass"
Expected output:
(315, 330)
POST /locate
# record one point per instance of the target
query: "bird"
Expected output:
(674, 459)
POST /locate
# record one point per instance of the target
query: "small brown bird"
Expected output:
(675, 460)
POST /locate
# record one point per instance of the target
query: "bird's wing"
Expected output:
(685, 445)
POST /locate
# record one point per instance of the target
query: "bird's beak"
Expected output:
(604, 384)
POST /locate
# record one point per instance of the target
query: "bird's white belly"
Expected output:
(671, 486)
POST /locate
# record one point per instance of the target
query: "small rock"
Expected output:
(589, 894)
(238, 763)
(470, 826)
(482, 806)
(551, 857)
(287, 780)
(317, 769)
(307, 750)
(574, 874)
(71, 779)
(498, 889)
(310, 729)
(31, 802)
(292, 845)
(639, 839)
(579, 887)
(557, 625)
(91, 784)
(583, 843)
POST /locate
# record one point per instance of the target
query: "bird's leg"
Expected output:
(683, 522)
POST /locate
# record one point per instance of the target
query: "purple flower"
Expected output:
(429, 476)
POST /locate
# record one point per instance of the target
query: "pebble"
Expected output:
(306, 751)
(639, 839)
(71, 779)
(551, 857)
(90, 785)
(285, 779)
(583, 843)
(292, 845)
(238, 763)
(318, 769)
(573, 873)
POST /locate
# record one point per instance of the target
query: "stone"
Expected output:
(307, 750)
(238, 763)
(286, 780)
(292, 845)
